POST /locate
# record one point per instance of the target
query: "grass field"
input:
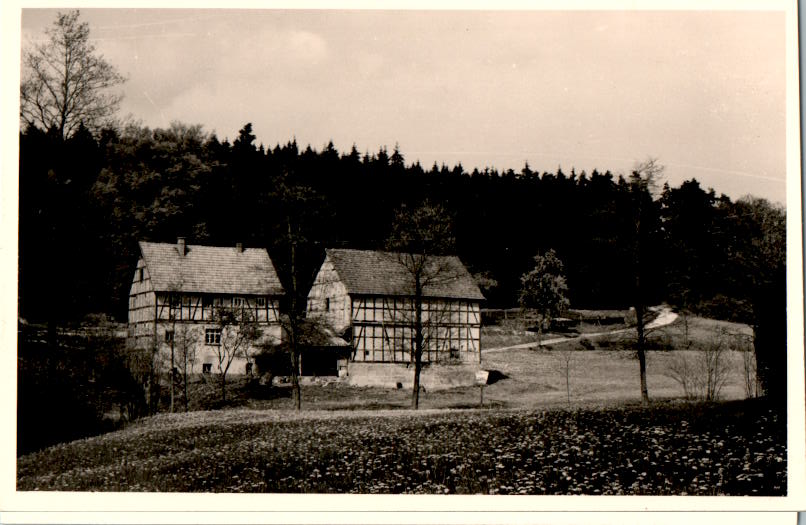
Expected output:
(605, 368)
(732, 448)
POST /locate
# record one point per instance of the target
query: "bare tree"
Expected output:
(704, 375)
(683, 371)
(566, 357)
(236, 332)
(750, 373)
(294, 324)
(65, 82)
(717, 366)
(299, 210)
(174, 309)
(419, 237)
(186, 339)
(643, 181)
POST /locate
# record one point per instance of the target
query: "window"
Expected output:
(249, 369)
(139, 274)
(207, 368)
(169, 336)
(327, 304)
(237, 301)
(212, 336)
(261, 301)
(176, 307)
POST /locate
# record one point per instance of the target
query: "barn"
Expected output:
(177, 288)
(368, 297)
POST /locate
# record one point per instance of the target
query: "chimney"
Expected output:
(239, 247)
(180, 246)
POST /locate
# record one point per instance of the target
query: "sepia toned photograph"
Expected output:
(405, 252)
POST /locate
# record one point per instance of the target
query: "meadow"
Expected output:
(672, 448)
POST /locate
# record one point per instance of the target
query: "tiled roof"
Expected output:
(370, 272)
(210, 269)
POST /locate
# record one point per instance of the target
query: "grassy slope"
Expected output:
(608, 372)
(734, 448)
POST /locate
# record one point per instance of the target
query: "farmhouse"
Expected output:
(178, 288)
(368, 297)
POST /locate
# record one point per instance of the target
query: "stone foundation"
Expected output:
(395, 375)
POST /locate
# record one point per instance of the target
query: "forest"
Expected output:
(87, 199)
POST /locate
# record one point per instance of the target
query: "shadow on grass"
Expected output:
(495, 376)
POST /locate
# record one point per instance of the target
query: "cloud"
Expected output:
(307, 47)
(170, 60)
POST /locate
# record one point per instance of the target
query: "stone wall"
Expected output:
(394, 375)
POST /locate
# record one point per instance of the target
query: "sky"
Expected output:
(704, 92)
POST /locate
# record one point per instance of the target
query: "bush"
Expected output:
(82, 385)
(704, 375)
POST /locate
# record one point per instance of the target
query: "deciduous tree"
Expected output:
(65, 82)
(237, 332)
(543, 289)
(759, 260)
(644, 222)
(418, 237)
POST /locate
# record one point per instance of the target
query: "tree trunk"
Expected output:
(185, 385)
(418, 341)
(539, 332)
(297, 394)
(171, 371)
(639, 325)
(568, 379)
(185, 373)
(294, 326)
(153, 385)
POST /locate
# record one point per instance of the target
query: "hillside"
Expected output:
(730, 448)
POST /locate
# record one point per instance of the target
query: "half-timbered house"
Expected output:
(178, 289)
(368, 297)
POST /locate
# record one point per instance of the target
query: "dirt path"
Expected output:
(665, 316)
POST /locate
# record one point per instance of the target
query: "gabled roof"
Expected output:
(210, 269)
(367, 272)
